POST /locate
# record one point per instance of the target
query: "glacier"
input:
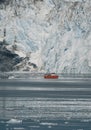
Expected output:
(54, 34)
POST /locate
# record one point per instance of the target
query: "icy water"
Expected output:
(38, 106)
(45, 113)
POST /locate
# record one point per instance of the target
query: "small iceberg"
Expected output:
(14, 121)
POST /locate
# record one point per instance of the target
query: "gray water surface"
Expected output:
(44, 105)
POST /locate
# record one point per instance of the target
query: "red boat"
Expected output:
(51, 76)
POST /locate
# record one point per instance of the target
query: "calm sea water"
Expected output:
(45, 106)
(27, 113)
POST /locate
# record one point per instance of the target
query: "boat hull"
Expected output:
(51, 77)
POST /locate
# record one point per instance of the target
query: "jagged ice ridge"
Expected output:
(57, 33)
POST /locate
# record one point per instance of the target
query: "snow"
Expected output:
(56, 33)
(89, 58)
(19, 49)
(36, 58)
(1, 39)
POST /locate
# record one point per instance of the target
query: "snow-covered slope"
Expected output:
(57, 33)
(14, 58)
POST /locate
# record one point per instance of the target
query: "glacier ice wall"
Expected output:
(60, 30)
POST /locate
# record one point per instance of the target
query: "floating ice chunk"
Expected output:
(14, 121)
